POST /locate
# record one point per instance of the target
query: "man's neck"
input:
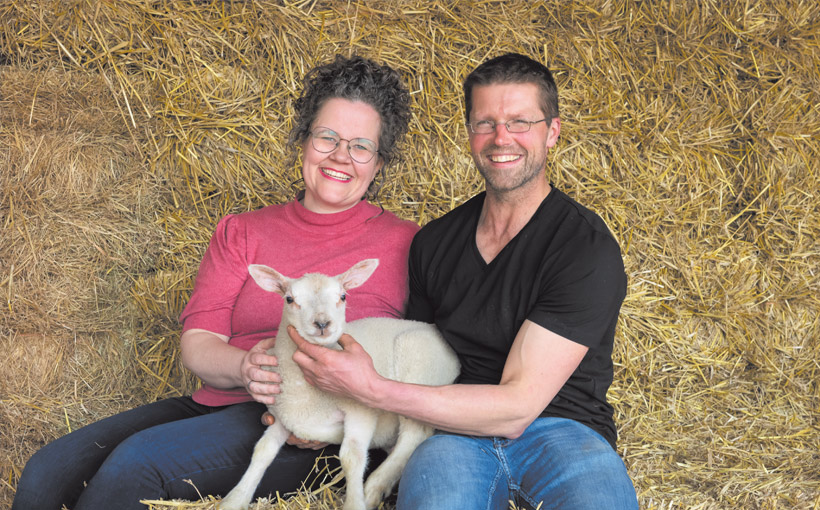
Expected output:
(503, 215)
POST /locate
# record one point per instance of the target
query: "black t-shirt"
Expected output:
(563, 271)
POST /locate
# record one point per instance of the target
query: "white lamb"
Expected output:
(402, 350)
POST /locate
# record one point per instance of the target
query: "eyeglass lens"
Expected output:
(513, 126)
(361, 150)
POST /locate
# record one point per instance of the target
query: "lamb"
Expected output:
(402, 350)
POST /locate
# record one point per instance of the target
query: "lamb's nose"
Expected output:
(321, 325)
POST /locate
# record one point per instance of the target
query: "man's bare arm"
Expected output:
(539, 364)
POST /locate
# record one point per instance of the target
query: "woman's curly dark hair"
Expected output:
(356, 79)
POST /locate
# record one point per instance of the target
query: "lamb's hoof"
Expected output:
(375, 495)
(232, 502)
(353, 504)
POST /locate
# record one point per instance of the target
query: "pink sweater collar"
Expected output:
(316, 222)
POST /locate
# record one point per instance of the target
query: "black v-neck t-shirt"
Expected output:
(563, 271)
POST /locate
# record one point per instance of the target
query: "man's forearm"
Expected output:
(537, 367)
(481, 410)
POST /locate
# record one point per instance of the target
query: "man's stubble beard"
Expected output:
(495, 180)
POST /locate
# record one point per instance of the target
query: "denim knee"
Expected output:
(131, 470)
(39, 469)
(563, 464)
(452, 471)
(58, 460)
(132, 458)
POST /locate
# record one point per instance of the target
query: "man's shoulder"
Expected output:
(458, 218)
(581, 236)
(569, 209)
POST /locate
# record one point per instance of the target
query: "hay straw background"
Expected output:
(128, 128)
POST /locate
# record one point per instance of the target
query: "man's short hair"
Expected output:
(513, 68)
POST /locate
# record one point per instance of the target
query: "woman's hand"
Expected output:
(308, 445)
(268, 419)
(261, 384)
(224, 366)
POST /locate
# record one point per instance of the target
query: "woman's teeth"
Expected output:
(336, 175)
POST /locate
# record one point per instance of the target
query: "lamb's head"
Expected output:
(314, 303)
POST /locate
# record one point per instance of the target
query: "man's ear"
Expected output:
(554, 131)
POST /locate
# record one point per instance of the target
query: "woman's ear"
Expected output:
(374, 186)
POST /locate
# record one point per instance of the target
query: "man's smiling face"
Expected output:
(508, 161)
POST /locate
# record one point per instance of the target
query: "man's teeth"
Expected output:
(504, 158)
(335, 174)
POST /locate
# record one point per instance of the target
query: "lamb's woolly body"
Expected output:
(401, 350)
(310, 413)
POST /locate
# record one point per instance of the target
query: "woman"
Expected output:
(350, 116)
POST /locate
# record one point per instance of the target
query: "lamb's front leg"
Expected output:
(359, 428)
(263, 454)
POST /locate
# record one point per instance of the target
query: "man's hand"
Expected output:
(348, 373)
(261, 384)
(268, 419)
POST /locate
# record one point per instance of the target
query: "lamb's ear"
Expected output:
(269, 279)
(358, 274)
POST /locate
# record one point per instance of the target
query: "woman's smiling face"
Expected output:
(335, 182)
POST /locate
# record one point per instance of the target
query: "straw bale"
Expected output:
(129, 128)
(54, 383)
(72, 194)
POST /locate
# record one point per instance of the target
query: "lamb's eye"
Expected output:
(343, 297)
(289, 300)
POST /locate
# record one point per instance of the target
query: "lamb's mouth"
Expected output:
(325, 336)
(325, 341)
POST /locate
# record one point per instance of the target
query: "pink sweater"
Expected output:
(294, 241)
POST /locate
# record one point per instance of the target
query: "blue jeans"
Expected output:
(559, 462)
(149, 453)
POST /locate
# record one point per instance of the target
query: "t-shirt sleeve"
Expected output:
(581, 298)
(419, 307)
(222, 273)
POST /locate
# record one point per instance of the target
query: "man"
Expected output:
(526, 286)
